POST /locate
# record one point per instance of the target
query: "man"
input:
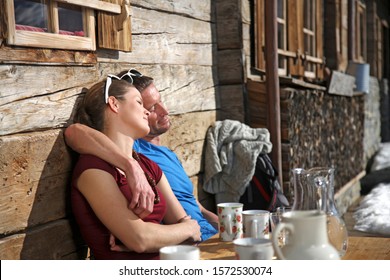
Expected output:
(88, 141)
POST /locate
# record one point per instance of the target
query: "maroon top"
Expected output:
(95, 234)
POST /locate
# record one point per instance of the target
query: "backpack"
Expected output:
(264, 191)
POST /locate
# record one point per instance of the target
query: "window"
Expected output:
(299, 24)
(67, 24)
(360, 32)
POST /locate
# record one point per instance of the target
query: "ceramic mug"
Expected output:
(256, 223)
(253, 249)
(230, 220)
(179, 252)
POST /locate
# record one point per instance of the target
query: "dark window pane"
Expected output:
(281, 44)
(281, 9)
(31, 15)
(70, 19)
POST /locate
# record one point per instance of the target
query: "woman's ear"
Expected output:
(113, 103)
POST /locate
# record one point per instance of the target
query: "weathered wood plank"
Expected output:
(19, 81)
(231, 106)
(170, 36)
(229, 26)
(186, 138)
(35, 172)
(58, 240)
(46, 56)
(37, 113)
(200, 9)
(169, 52)
(230, 67)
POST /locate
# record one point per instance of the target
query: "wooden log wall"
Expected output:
(39, 92)
(318, 129)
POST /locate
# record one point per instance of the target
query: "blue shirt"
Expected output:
(179, 181)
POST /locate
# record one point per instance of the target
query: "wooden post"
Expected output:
(272, 83)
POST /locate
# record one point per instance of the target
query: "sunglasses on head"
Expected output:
(127, 77)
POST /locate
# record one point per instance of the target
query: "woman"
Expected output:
(100, 194)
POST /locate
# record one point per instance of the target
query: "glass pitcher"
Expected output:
(314, 190)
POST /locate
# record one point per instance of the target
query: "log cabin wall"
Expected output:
(172, 41)
(318, 129)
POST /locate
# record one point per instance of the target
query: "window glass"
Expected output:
(362, 38)
(280, 9)
(70, 19)
(31, 15)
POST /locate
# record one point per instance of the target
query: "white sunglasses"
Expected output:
(127, 77)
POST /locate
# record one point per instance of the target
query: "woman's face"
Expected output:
(133, 115)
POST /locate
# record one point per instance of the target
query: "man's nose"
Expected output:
(162, 109)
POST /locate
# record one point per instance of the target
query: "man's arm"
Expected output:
(86, 140)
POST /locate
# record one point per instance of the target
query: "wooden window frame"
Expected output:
(309, 39)
(60, 41)
(283, 54)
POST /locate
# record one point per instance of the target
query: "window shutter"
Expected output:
(319, 40)
(114, 31)
(295, 36)
(260, 30)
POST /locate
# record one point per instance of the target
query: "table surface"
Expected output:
(359, 248)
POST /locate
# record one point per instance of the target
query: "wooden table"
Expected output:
(359, 248)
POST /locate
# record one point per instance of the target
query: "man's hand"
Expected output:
(142, 201)
(117, 247)
(86, 140)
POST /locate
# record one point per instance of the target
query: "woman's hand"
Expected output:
(195, 230)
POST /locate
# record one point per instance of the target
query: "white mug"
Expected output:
(230, 220)
(307, 239)
(256, 223)
(253, 249)
(179, 252)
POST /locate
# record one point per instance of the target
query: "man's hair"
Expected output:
(140, 83)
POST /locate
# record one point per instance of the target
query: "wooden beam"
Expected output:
(272, 84)
(96, 5)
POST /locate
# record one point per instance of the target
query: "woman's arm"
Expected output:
(86, 140)
(175, 212)
(110, 206)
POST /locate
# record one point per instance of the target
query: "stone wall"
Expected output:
(372, 119)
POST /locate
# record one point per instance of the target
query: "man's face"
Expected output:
(159, 122)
